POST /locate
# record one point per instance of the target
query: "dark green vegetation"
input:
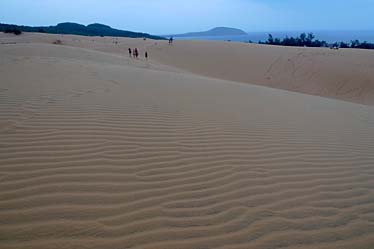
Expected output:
(354, 44)
(308, 40)
(78, 29)
(13, 30)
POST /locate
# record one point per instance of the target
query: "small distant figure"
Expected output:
(57, 42)
(130, 52)
(171, 40)
(136, 53)
(146, 55)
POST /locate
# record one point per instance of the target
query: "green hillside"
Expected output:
(95, 29)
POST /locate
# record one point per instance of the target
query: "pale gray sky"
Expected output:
(177, 16)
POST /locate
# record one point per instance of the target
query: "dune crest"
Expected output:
(345, 74)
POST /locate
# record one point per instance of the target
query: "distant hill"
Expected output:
(219, 31)
(95, 29)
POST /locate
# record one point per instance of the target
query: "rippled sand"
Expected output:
(98, 150)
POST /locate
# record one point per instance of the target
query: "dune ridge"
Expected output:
(345, 74)
(101, 151)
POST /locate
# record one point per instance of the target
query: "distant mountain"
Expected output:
(219, 31)
(95, 29)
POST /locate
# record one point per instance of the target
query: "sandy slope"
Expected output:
(347, 74)
(100, 151)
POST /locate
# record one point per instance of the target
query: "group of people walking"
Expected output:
(135, 53)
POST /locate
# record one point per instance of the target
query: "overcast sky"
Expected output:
(177, 16)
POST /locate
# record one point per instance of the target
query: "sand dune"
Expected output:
(101, 151)
(346, 74)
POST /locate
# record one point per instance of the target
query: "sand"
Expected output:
(98, 150)
(345, 74)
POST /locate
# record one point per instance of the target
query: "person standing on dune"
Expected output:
(136, 53)
(146, 55)
(130, 52)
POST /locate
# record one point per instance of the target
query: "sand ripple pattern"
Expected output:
(148, 163)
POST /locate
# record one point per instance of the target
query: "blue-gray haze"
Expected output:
(179, 16)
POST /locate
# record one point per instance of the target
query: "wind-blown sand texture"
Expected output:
(98, 150)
